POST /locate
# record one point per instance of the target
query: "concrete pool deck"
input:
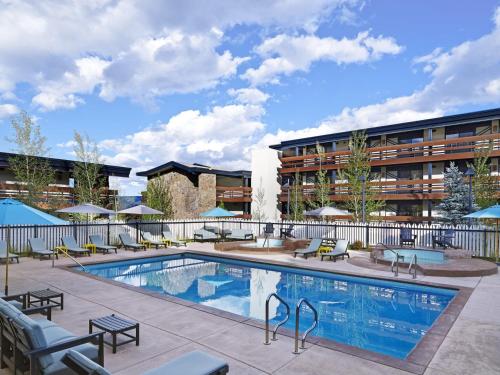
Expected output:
(169, 329)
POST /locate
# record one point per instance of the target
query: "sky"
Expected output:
(210, 81)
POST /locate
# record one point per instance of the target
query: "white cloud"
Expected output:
(249, 95)
(7, 110)
(285, 54)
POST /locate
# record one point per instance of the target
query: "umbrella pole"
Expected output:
(6, 292)
(496, 244)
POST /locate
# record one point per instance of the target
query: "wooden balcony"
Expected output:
(233, 194)
(423, 152)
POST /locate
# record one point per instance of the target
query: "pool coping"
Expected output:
(416, 362)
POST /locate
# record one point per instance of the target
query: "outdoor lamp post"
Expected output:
(470, 173)
(362, 178)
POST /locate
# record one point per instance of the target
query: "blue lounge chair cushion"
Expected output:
(59, 368)
(193, 363)
(36, 335)
(85, 363)
(10, 310)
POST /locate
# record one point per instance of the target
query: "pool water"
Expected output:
(261, 242)
(423, 256)
(382, 316)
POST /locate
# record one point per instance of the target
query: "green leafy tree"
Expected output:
(296, 199)
(358, 165)
(321, 194)
(483, 183)
(159, 197)
(31, 170)
(89, 182)
(455, 206)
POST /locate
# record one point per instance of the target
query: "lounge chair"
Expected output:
(193, 363)
(204, 235)
(169, 238)
(38, 247)
(445, 240)
(3, 252)
(38, 345)
(406, 237)
(240, 234)
(287, 232)
(148, 240)
(71, 246)
(340, 250)
(312, 249)
(128, 243)
(98, 242)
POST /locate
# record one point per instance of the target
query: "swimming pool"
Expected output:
(423, 256)
(382, 316)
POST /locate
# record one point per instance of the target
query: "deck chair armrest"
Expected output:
(17, 297)
(44, 310)
(93, 338)
(249, 235)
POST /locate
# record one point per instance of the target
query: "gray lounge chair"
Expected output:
(3, 252)
(39, 344)
(193, 363)
(70, 244)
(170, 238)
(204, 235)
(148, 238)
(128, 242)
(312, 249)
(340, 250)
(38, 247)
(98, 242)
(240, 234)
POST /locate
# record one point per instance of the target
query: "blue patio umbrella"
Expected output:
(13, 212)
(217, 212)
(492, 213)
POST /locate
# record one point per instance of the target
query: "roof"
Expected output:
(64, 165)
(464, 118)
(194, 169)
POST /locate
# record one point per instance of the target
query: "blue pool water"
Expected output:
(382, 316)
(261, 242)
(423, 256)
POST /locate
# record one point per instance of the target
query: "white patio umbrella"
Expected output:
(326, 211)
(86, 208)
(140, 210)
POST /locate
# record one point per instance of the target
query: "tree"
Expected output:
(296, 199)
(483, 183)
(89, 182)
(31, 170)
(456, 204)
(321, 194)
(358, 165)
(159, 197)
(259, 203)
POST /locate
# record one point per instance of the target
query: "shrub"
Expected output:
(357, 245)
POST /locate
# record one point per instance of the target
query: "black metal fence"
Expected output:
(479, 240)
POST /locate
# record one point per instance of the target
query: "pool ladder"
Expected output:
(297, 322)
(413, 265)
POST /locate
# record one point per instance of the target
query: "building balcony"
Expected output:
(423, 152)
(237, 194)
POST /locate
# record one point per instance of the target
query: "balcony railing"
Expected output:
(429, 151)
(233, 194)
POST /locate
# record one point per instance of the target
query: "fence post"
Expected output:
(307, 230)
(109, 242)
(184, 230)
(367, 236)
(136, 231)
(484, 242)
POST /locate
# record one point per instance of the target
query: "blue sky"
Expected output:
(204, 83)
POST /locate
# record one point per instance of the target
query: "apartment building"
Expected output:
(196, 188)
(408, 158)
(63, 187)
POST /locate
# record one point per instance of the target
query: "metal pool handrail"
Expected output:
(279, 324)
(297, 322)
(394, 260)
(413, 263)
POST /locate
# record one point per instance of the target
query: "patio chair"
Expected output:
(340, 250)
(203, 235)
(406, 237)
(128, 242)
(98, 242)
(16, 300)
(38, 247)
(193, 363)
(287, 232)
(312, 249)
(240, 234)
(269, 230)
(445, 240)
(147, 239)
(3, 252)
(71, 246)
(169, 237)
(38, 345)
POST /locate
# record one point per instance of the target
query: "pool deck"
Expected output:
(169, 329)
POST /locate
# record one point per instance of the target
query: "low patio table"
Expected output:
(116, 325)
(39, 297)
